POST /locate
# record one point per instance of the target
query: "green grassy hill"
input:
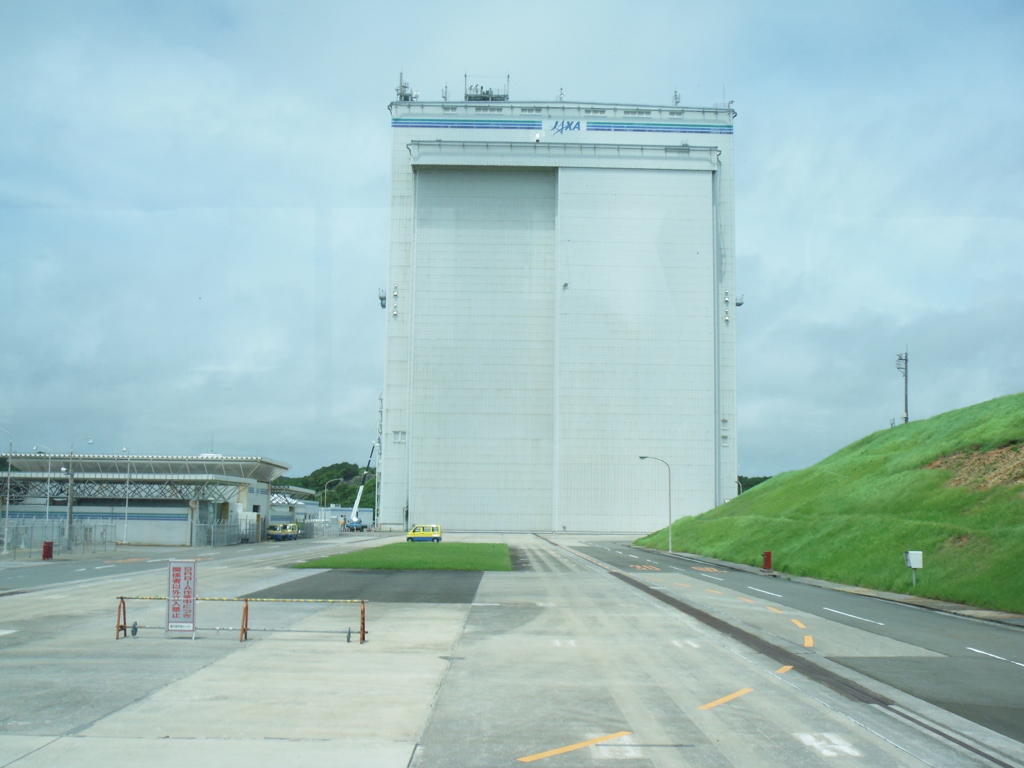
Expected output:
(951, 486)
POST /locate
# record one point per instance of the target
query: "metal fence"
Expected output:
(23, 537)
(318, 529)
(216, 534)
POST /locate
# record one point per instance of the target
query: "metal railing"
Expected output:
(123, 628)
(25, 536)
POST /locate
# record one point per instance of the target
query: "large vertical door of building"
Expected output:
(636, 347)
(482, 367)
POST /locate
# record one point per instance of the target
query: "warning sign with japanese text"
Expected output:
(181, 596)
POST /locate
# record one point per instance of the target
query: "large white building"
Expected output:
(560, 302)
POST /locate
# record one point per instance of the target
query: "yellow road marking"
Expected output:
(715, 591)
(680, 584)
(783, 670)
(773, 609)
(746, 600)
(724, 699)
(571, 747)
(798, 624)
(808, 641)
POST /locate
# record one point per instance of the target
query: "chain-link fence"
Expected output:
(23, 537)
(216, 534)
(318, 529)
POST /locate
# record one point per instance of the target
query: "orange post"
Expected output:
(243, 634)
(362, 622)
(122, 619)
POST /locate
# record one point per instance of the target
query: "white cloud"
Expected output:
(153, 155)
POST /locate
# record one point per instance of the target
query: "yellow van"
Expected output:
(282, 531)
(424, 533)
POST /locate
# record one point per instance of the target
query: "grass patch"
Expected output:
(421, 556)
(849, 517)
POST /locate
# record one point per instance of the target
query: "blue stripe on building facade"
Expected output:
(599, 126)
(657, 127)
(526, 125)
(59, 514)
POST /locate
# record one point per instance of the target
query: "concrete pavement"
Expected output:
(543, 661)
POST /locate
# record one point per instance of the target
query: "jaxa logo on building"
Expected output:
(561, 126)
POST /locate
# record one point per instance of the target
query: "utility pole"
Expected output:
(903, 366)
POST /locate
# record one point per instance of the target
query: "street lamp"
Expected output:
(127, 482)
(7, 506)
(327, 485)
(71, 471)
(49, 462)
(669, 496)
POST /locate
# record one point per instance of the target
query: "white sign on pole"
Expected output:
(181, 596)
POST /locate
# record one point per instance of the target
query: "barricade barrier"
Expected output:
(122, 627)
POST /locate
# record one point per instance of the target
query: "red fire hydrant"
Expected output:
(47, 550)
(767, 565)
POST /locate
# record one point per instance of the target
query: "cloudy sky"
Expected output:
(194, 205)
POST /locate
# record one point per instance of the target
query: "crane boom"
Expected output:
(354, 520)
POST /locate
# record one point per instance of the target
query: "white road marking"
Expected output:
(79, 569)
(764, 591)
(54, 597)
(486, 603)
(711, 577)
(635, 556)
(986, 653)
(159, 560)
(690, 642)
(7, 631)
(246, 550)
(623, 748)
(861, 618)
(676, 569)
(98, 567)
(829, 745)
(677, 644)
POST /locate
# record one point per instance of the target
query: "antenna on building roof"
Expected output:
(479, 93)
(404, 91)
(675, 98)
(444, 93)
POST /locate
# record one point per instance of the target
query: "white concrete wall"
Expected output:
(636, 343)
(481, 423)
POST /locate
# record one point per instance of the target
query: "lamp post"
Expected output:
(127, 483)
(328, 484)
(71, 480)
(49, 463)
(7, 505)
(669, 496)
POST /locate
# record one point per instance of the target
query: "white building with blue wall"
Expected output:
(560, 301)
(149, 499)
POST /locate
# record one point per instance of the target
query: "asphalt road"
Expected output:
(972, 668)
(20, 575)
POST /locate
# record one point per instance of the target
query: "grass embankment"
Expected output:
(421, 556)
(949, 486)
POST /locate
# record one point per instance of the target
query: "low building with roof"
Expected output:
(177, 500)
